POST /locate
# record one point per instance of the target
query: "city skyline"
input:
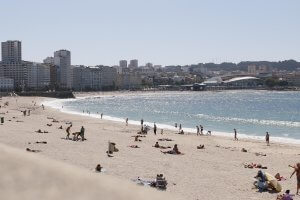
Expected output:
(160, 32)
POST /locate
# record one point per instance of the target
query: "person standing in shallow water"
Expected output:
(126, 121)
(235, 134)
(154, 128)
(201, 129)
(142, 124)
(268, 138)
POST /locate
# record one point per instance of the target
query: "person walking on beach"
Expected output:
(197, 127)
(126, 121)
(68, 131)
(297, 171)
(268, 138)
(235, 134)
(82, 130)
(201, 129)
(154, 128)
(180, 127)
(101, 115)
(142, 125)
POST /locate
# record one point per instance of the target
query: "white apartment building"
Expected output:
(38, 76)
(15, 71)
(11, 51)
(6, 84)
(62, 59)
(94, 78)
(134, 64)
(123, 63)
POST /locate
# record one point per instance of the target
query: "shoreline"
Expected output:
(216, 172)
(187, 130)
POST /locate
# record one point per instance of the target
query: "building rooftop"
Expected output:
(241, 78)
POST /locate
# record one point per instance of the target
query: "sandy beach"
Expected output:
(216, 172)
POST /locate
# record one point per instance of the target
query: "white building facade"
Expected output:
(62, 59)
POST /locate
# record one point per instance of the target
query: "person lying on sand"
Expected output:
(49, 124)
(54, 120)
(136, 139)
(41, 142)
(279, 177)
(200, 146)
(133, 146)
(138, 136)
(174, 151)
(32, 150)
(165, 139)
(39, 131)
(297, 171)
(159, 146)
(260, 154)
(60, 127)
(254, 165)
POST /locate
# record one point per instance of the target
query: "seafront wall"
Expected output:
(59, 95)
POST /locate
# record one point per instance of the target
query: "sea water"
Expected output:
(251, 112)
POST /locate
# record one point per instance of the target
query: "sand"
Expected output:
(216, 172)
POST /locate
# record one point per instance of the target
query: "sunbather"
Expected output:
(133, 146)
(173, 151)
(136, 139)
(159, 146)
(32, 150)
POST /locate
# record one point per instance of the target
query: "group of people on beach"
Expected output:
(267, 137)
(75, 134)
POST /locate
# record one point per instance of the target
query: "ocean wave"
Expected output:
(251, 121)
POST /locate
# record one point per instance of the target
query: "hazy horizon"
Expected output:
(164, 32)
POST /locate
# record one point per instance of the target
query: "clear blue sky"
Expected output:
(160, 31)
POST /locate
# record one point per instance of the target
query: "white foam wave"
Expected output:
(251, 121)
